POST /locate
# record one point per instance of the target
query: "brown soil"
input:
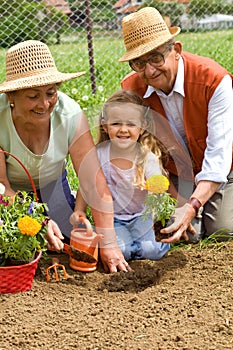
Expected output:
(159, 236)
(183, 301)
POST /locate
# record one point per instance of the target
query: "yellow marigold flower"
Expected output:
(157, 184)
(29, 226)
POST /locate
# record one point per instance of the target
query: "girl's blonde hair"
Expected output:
(148, 142)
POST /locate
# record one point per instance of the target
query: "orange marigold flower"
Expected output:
(29, 226)
(157, 184)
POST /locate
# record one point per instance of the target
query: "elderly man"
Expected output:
(193, 100)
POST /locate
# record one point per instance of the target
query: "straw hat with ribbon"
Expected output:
(30, 64)
(144, 31)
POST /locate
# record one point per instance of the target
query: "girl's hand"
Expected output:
(113, 259)
(182, 223)
(75, 218)
(54, 237)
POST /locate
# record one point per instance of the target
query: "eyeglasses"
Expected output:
(156, 59)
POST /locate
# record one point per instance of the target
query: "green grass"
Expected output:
(217, 241)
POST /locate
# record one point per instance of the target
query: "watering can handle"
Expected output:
(25, 169)
(88, 226)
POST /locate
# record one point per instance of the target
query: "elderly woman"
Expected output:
(42, 126)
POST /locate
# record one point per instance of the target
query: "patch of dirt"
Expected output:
(184, 302)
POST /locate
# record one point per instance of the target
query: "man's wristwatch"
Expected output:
(196, 204)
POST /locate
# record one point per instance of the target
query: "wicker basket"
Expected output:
(14, 279)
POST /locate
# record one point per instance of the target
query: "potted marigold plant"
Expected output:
(159, 203)
(22, 228)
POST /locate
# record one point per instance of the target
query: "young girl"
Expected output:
(129, 155)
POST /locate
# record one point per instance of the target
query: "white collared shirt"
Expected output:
(218, 154)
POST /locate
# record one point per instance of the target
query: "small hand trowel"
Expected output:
(77, 254)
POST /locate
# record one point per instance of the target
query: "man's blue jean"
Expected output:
(136, 239)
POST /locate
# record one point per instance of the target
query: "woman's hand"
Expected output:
(113, 259)
(54, 237)
(182, 223)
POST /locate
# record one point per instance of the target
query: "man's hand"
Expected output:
(182, 223)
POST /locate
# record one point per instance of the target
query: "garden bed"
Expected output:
(183, 301)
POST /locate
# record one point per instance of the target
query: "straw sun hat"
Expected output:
(30, 64)
(144, 31)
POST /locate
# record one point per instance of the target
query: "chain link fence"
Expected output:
(86, 36)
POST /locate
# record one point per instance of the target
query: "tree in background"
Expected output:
(172, 10)
(25, 20)
(202, 8)
(102, 13)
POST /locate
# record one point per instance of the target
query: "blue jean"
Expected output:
(136, 239)
(60, 202)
